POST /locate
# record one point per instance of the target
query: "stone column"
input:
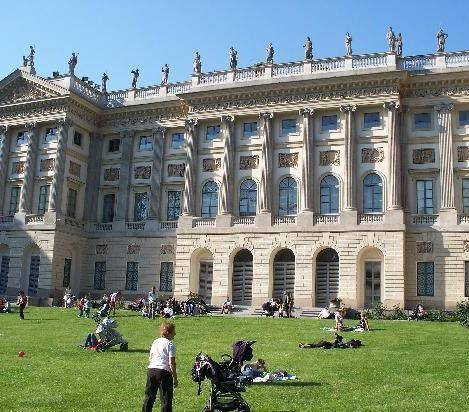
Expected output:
(93, 178)
(190, 177)
(394, 213)
(265, 197)
(448, 214)
(125, 175)
(29, 168)
(159, 134)
(226, 192)
(4, 151)
(56, 190)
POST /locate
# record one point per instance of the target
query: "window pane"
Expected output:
(213, 132)
(14, 200)
(465, 196)
(77, 138)
(4, 271)
(177, 140)
(114, 145)
(51, 135)
(329, 122)
(372, 194)
(99, 275)
(288, 126)
(423, 120)
(140, 207)
(425, 279)
(250, 129)
(329, 193)
(210, 199)
(166, 277)
(174, 204)
(425, 197)
(248, 198)
(464, 118)
(34, 275)
(22, 138)
(287, 197)
(371, 120)
(108, 208)
(43, 199)
(145, 143)
(67, 272)
(71, 203)
(131, 277)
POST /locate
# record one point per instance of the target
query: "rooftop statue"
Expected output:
(441, 36)
(308, 46)
(348, 44)
(30, 58)
(399, 44)
(233, 58)
(25, 61)
(270, 53)
(197, 64)
(391, 40)
(135, 78)
(104, 80)
(164, 74)
(72, 63)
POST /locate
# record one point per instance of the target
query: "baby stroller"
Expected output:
(109, 337)
(102, 312)
(226, 378)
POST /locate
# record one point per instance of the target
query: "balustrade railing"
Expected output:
(243, 220)
(203, 221)
(85, 90)
(73, 222)
(326, 219)
(284, 220)
(463, 219)
(214, 78)
(424, 219)
(457, 59)
(417, 62)
(6, 219)
(103, 227)
(117, 98)
(168, 225)
(135, 226)
(287, 69)
(370, 218)
(328, 65)
(34, 219)
(176, 88)
(147, 93)
(369, 61)
(250, 73)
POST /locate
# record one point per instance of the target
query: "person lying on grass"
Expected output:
(338, 343)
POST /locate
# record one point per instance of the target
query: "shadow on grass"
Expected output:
(290, 383)
(138, 350)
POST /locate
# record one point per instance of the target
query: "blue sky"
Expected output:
(117, 36)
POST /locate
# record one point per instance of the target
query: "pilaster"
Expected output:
(307, 162)
(226, 192)
(159, 134)
(190, 136)
(4, 150)
(265, 196)
(349, 149)
(125, 175)
(93, 178)
(29, 168)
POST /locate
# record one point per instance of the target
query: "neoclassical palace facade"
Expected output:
(343, 177)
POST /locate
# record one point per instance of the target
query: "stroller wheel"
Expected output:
(124, 346)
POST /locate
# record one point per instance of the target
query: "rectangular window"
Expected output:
(250, 129)
(329, 122)
(145, 144)
(67, 272)
(22, 138)
(4, 270)
(43, 199)
(425, 279)
(465, 196)
(51, 135)
(14, 200)
(466, 278)
(108, 207)
(424, 197)
(423, 121)
(177, 140)
(114, 145)
(71, 203)
(288, 126)
(99, 275)
(131, 276)
(174, 204)
(371, 120)
(77, 138)
(140, 207)
(166, 277)
(213, 132)
(34, 274)
(464, 118)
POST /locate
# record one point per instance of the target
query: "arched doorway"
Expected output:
(284, 273)
(242, 278)
(327, 277)
(4, 267)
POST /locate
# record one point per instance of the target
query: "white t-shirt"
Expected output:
(161, 350)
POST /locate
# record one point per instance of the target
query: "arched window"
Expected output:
(288, 199)
(329, 195)
(248, 198)
(210, 199)
(372, 194)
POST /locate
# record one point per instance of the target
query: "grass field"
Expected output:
(403, 366)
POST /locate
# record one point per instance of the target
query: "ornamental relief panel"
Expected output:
(18, 168)
(74, 169)
(142, 172)
(372, 155)
(176, 170)
(288, 160)
(424, 247)
(463, 153)
(133, 249)
(466, 246)
(248, 162)
(167, 249)
(47, 165)
(422, 156)
(101, 249)
(211, 165)
(111, 175)
(329, 157)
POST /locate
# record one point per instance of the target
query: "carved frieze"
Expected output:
(21, 90)
(372, 155)
(210, 165)
(133, 249)
(422, 156)
(142, 172)
(466, 246)
(329, 157)
(288, 160)
(101, 249)
(463, 153)
(18, 168)
(424, 247)
(176, 170)
(167, 249)
(248, 162)
(112, 174)
(47, 165)
(74, 169)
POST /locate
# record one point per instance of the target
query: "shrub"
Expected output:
(397, 313)
(462, 312)
(378, 312)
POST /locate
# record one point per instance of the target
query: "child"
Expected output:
(22, 301)
(363, 324)
(161, 373)
(88, 305)
(339, 321)
(81, 307)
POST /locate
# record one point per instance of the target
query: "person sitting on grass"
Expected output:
(418, 313)
(4, 306)
(363, 324)
(253, 370)
(324, 314)
(227, 306)
(168, 311)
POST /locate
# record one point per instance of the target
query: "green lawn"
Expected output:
(403, 366)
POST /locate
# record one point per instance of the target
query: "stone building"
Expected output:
(342, 177)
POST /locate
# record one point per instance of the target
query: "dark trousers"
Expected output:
(22, 306)
(162, 380)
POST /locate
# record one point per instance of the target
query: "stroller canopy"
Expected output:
(242, 351)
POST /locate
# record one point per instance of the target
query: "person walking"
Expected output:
(22, 301)
(161, 373)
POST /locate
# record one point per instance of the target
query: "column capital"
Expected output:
(306, 111)
(3, 129)
(127, 134)
(266, 115)
(392, 105)
(65, 122)
(227, 118)
(159, 130)
(444, 107)
(348, 108)
(190, 124)
(30, 126)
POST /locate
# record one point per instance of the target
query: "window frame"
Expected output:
(289, 206)
(148, 146)
(373, 126)
(426, 285)
(43, 203)
(288, 131)
(72, 206)
(76, 134)
(144, 213)
(165, 264)
(248, 198)
(422, 128)
(329, 195)
(207, 211)
(249, 134)
(46, 140)
(112, 142)
(466, 121)
(170, 207)
(463, 198)
(102, 281)
(24, 138)
(327, 129)
(182, 142)
(380, 199)
(103, 217)
(17, 200)
(216, 135)
(131, 276)
(425, 197)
